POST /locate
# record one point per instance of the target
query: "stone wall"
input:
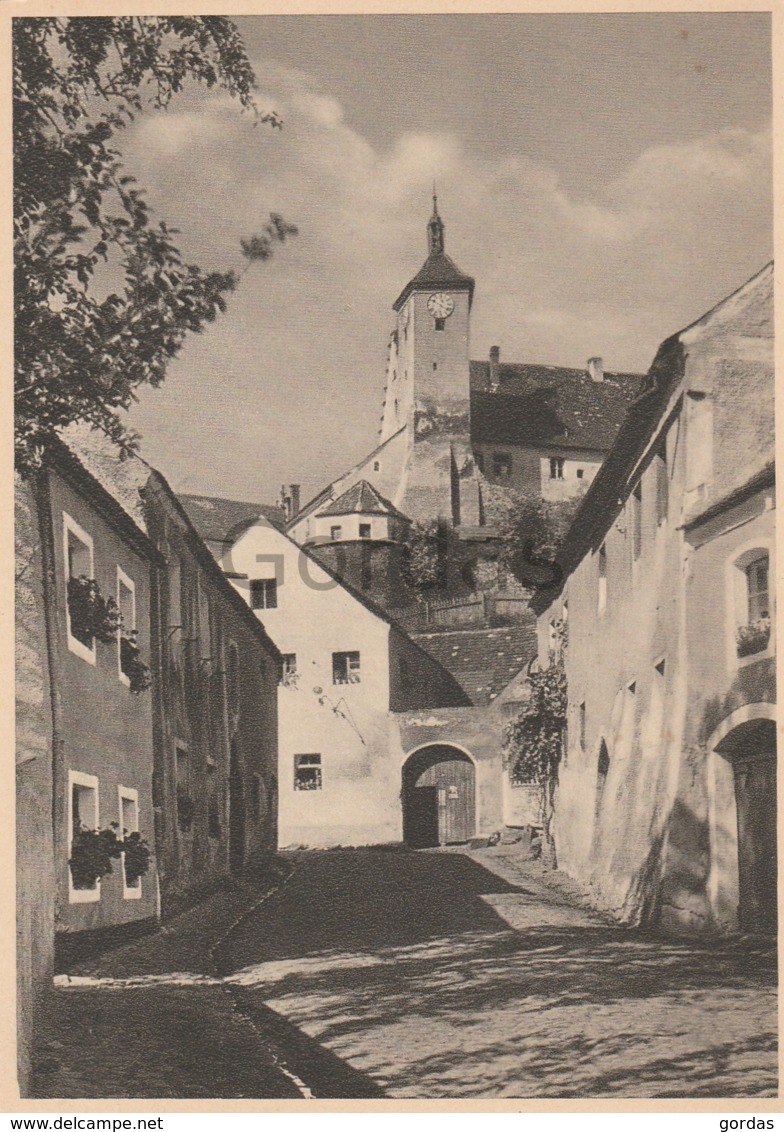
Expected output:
(35, 896)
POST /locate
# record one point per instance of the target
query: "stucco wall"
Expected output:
(106, 730)
(35, 885)
(199, 715)
(657, 670)
(346, 724)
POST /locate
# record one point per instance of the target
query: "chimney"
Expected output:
(495, 356)
(294, 499)
(595, 369)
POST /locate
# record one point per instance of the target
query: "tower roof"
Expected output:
(361, 499)
(438, 270)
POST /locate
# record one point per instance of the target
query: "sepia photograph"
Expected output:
(394, 556)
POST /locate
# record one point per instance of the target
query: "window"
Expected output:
(336, 533)
(129, 823)
(307, 772)
(82, 815)
(581, 715)
(126, 642)
(435, 365)
(602, 598)
(502, 465)
(660, 481)
(479, 460)
(636, 520)
(440, 323)
(364, 530)
(264, 593)
(602, 770)
(753, 604)
(580, 473)
(78, 564)
(288, 672)
(556, 467)
(345, 668)
(376, 465)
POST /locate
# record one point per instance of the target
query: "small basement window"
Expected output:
(264, 593)
(307, 772)
(345, 668)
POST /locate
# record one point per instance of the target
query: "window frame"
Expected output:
(317, 766)
(128, 794)
(351, 666)
(89, 782)
(737, 600)
(601, 603)
(128, 583)
(264, 583)
(71, 527)
(502, 459)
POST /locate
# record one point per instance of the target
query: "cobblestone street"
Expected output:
(447, 974)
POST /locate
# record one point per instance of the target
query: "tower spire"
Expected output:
(435, 228)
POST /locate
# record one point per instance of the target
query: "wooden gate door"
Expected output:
(439, 803)
(755, 797)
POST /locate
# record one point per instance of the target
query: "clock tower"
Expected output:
(428, 390)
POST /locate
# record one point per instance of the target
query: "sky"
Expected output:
(605, 178)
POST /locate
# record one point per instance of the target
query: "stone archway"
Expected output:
(439, 796)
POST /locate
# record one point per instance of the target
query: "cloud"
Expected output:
(560, 276)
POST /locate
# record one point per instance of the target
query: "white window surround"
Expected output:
(736, 609)
(89, 782)
(71, 527)
(124, 582)
(127, 794)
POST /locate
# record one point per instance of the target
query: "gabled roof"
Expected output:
(361, 499)
(438, 270)
(613, 481)
(482, 661)
(224, 520)
(537, 405)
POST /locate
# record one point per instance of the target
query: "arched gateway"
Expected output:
(439, 797)
(750, 748)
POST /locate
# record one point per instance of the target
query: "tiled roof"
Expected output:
(537, 405)
(482, 661)
(360, 499)
(224, 520)
(438, 270)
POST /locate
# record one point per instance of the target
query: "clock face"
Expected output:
(440, 305)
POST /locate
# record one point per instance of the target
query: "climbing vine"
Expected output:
(534, 743)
